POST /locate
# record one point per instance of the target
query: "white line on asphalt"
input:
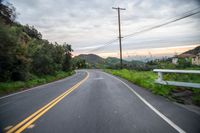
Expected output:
(171, 123)
(97, 78)
(35, 87)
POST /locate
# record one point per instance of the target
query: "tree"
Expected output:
(42, 60)
(32, 32)
(7, 51)
(184, 63)
(14, 60)
(68, 56)
(24, 52)
(79, 63)
(7, 13)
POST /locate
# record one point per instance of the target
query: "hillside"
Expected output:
(194, 51)
(110, 62)
(91, 58)
(24, 54)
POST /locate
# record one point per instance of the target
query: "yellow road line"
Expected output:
(29, 120)
(31, 116)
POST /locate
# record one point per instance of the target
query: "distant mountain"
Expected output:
(91, 58)
(114, 61)
(96, 61)
(194, 51)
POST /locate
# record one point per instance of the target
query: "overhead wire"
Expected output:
(170, 20)
(106, 44)
(161, 25)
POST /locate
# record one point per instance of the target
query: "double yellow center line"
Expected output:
(32, 118)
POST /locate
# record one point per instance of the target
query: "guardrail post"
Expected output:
(160, 76)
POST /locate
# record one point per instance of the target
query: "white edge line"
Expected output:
(33, 88)
(171, 123)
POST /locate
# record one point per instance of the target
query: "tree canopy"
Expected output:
(23, 52)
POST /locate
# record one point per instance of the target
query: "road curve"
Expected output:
(92, 101)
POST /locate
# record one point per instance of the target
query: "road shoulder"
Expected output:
(178, 114)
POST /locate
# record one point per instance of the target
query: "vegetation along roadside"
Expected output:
(26, 59)
(146, 80)
(14, 86)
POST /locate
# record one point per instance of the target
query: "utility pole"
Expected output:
(120, 37)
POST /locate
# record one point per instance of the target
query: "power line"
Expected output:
(106, 44)
(161, 25)
(168, 19)
(183, 16)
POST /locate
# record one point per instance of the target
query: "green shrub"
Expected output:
(144, 79)
(12, 86)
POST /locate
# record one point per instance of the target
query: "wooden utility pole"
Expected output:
(120, 37)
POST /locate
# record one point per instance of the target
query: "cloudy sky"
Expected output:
(89, 24)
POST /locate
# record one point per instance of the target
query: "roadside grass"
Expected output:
(142, 78)
(146, 80)
(13, 86)
(193, 78)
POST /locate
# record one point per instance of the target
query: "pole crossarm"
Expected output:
(118, 8)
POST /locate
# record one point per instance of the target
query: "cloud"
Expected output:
(86, 24)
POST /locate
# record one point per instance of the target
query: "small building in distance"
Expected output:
(196, 60)
(175, 60)
(187, 57)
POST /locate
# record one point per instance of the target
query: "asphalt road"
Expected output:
(92, 101)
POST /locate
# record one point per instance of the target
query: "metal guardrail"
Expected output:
(176, 83)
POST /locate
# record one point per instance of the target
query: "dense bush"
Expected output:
(79, 63)
(23, 51)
